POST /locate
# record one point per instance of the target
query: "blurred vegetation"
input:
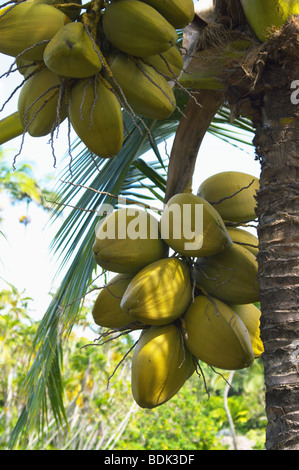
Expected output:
(21, 184)
(101, 412)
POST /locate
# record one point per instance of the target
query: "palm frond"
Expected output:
(239, 133)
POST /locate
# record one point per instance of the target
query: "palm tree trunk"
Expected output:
(278, 209)
(277, 145)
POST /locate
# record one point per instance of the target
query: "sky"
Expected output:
(25, 259)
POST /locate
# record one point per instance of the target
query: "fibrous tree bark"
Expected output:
(275, 116)
(277, 145)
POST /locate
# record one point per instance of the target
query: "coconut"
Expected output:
(231, 276)
(160, 366)
(127, 240)
(147, 92)
(233, 194)
(192, 227)
(244, 238)
(38, 102)
(106, 310)
(250, 315)
(178, 12)
(159, 293)
(96, 116)
(216, 335)
(24, 25)
(71, 53)
(137, 29)
(264, 16)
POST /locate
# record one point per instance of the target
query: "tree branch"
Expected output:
(188, 138)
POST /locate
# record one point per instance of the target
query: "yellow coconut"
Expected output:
(96, 116)
(216, 335)
(178, 12)
(244, 238)
(24, 25)
(159, 293)
(192, 227)
(106, 310)
(264, 16)
(160, 366)
(250, 315)
(127, 240)
(169, 63)
(147, 92)
(38, 103)
(233, 194)
(71, 53)
(137, 29)
(231, 276)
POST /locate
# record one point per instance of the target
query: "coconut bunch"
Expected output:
(91, 62)
(171, 283)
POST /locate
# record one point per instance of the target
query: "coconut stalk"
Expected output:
(188, 140)
(259, 84)
(10, 127)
